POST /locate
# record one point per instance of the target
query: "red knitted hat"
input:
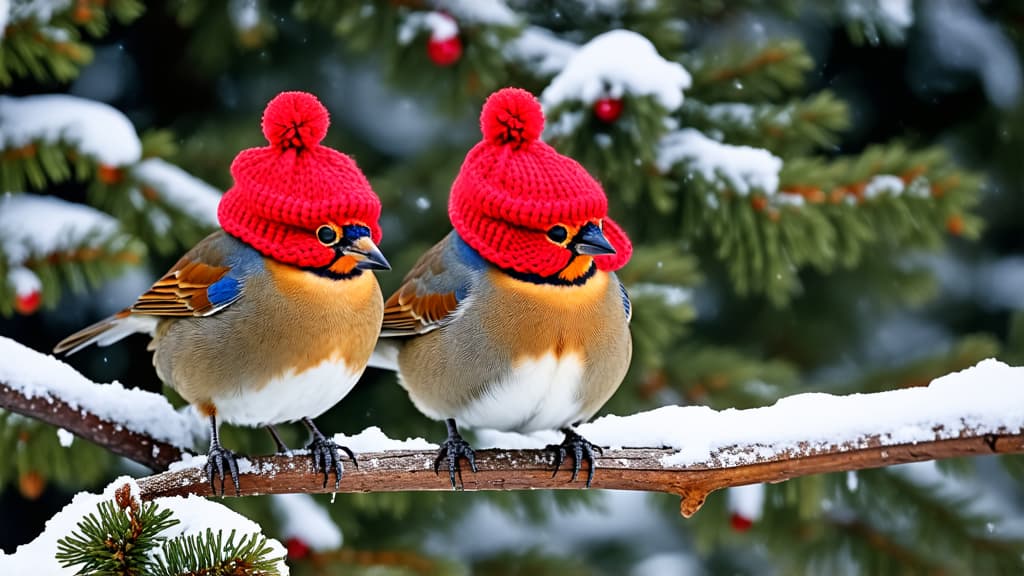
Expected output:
(285, 191)
(513, 187)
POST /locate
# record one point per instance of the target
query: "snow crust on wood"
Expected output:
(33, 225)
(301, 517)
(614, 64)
(97, 129)
(180, 189)
(986, 398)
(195, 515)
(373, 439)
(742, 169)
(39, 375)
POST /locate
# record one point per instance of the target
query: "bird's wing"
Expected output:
(200, 284)
(431, 293)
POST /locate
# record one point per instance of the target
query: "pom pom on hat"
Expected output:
(295, 120)
(513, 187)
(285, 191)
(511, 116)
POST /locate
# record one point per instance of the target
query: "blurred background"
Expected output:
(823, 196)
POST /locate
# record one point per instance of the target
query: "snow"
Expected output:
(41, 11)
(24, 281)
(194, 514)
(540, 51)
(180, 189)
(244, 14)
(985, 398)
(32, 225)
(97, 129)
(65, 438)
(373, 439)
(440, 25)
(671, 295)
(39, 375)
(962, 38)
(614, 64)
(747, 501)
(675, 563)
(740, 168)
(883, 184)
(487, 12)
(301, 517)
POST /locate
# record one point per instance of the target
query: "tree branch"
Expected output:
(114, 436)
(627, 469)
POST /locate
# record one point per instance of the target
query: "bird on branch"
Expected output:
(273, 318)
(515, 321)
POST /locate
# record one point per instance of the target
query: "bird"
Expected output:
(516, 320)
(273, 317)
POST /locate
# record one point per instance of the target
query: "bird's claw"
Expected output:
(580, 450)
(216, 460)
(451, 450)
(326, 458)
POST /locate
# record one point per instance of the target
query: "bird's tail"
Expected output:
(107, 331)
(385, 355)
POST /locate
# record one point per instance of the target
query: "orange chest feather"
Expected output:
(325, 319)
(537, 319)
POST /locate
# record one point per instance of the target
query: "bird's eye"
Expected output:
(327, 235)
(558, 234)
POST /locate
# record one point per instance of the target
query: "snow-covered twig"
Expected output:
(625, 469)
(690, 451)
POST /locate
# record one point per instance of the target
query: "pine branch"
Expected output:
(625, 469)
(114, 436)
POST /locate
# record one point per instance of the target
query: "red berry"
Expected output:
(27, 304)
(608, 109)
(109, 174)
(740, 523)
(445, 52)
(297, 549)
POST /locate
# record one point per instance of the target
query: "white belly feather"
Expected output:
(539, 394)
(290, 397)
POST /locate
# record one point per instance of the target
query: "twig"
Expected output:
(627, 469)
(113, 436)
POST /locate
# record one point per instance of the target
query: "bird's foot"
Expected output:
(217, 460)
(324, 452)
(579, 449)
(451, 450)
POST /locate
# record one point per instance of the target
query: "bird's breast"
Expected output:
(536, 393)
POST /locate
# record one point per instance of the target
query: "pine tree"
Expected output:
(779, 233)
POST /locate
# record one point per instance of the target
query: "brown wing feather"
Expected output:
(413, 309)
(182, 292)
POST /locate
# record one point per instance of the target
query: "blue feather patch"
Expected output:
(626, 302)
(223, 291)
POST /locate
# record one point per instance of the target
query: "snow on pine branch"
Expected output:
(986, 398)
(38, 375)
(540, 51)
(194, 514)
(33, 226)
(97, 129)
(742, 169)
(615, 64)
(180, 189)
(301, 517)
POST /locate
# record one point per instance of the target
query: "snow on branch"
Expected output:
(689, 451)
(97, 129)
(139, 425)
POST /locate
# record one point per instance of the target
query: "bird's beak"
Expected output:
(590, 241)
(368, 256)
